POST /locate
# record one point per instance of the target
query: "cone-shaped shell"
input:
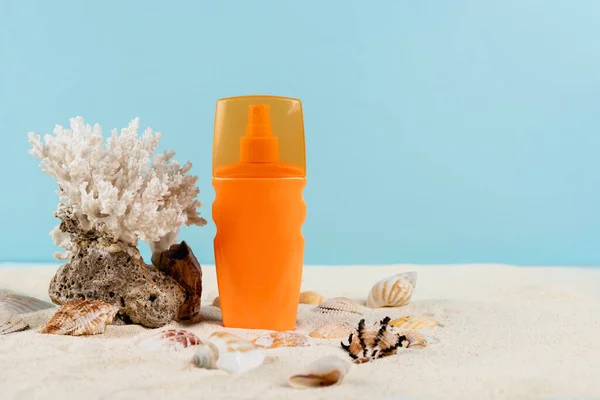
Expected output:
(394, 291)
(282, 339)
(11, 323)
(206, 356)
(332, 330)
(81, 317)
(170, 340)
(338, 305)
(21, 304)
(414, 322)
(326, 371)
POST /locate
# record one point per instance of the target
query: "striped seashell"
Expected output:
(81, 317)
(11, 323)
(415, 340)
(170, 340)
(326, 371)
(394, 291)
(338, 305)
(282, 339)
(21, 304)
(333, 330)
(310, 298)
(414, 322)
(235, 355)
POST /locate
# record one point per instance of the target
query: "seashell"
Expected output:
(206, 356)
(21, 304)
(81, 317)
(395, 291)
(414, 322)
(274, 340)
(217, 302)
(326, 371)
(333, 330)
(412, 339)
(11, 323)
(170, 340)
(310, 298)
(235, 355)
(338, 305)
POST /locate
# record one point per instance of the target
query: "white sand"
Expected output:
(508, 333)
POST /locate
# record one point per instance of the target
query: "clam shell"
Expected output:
(81, 317)
(21, 304)
(338, 305)
(326, 371)
(310, 298)
(170, 340)
(394, 291)
(10, 323)
(333, 330)
(414, 322)
(206, 356)
(217, 302)
(236, 355)
(282, 339)
(414, 340)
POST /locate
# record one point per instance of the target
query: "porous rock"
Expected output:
(119, 277)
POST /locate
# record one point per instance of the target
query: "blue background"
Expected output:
(437, 131)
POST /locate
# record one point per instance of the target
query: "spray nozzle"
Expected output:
(259, 145)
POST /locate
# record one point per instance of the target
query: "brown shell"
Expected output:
(282, 339)
(332, 330)
(310, 298)
(81, 317)
(412, 339)
(414, 322)
(217, 302)
(338, 305)
(11, 323)
(170, 340)
(21, 304)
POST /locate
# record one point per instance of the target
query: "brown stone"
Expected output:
(179, 263)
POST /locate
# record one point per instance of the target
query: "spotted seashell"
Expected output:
(395, 291)
(217, 302)
(338, 305)
(11, 323)
(333, 330)
(310, 298)
(235, 354)
(81, 317)
(170, 340)
(206, 356)
(21, 304)
(326, 371)
(414, 322)
(282, 339)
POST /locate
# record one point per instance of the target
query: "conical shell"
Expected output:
(236, 355)
(170, 340)
(395, 291)
(333, 330)
(206, 356)
(310, 298)
(20, 304)
(338, 305)
(326, 371)
(10, 323)
(282, 339)
(81, 317)
(414, 322)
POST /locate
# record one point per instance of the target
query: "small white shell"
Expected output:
(394, 291)
(21, 304)
(338, 305)
(206, 356)
(326, 371)
(236, 355)
(10, 323)
(170, 340)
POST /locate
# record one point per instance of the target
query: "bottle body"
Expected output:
(259, 250)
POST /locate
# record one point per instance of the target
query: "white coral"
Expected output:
(119, 188)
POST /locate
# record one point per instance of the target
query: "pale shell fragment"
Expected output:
(310, 298)
(394, 291)
(11, 323)
(235, 354)
(81, 317)
(282, 339)
(326, 371)
(170, 340)
(414, 322)
(21, 304)
(332, 330)
(338, 305)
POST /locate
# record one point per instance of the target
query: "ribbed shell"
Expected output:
(333, 330)
(325, 371)
(20, 304)
(414, 322)
(206, 356)
(395, 291)
(282, 339)
(81, 317)
(338, 305)
(170, 340)
(310, 298)
(11, 323)
(414, 340)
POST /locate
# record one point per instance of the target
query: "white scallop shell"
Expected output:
(394, 291)
(326, 371)
(10, 323)
(236, 355)
(338, 305)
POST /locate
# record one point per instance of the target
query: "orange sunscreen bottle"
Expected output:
(259, 174)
